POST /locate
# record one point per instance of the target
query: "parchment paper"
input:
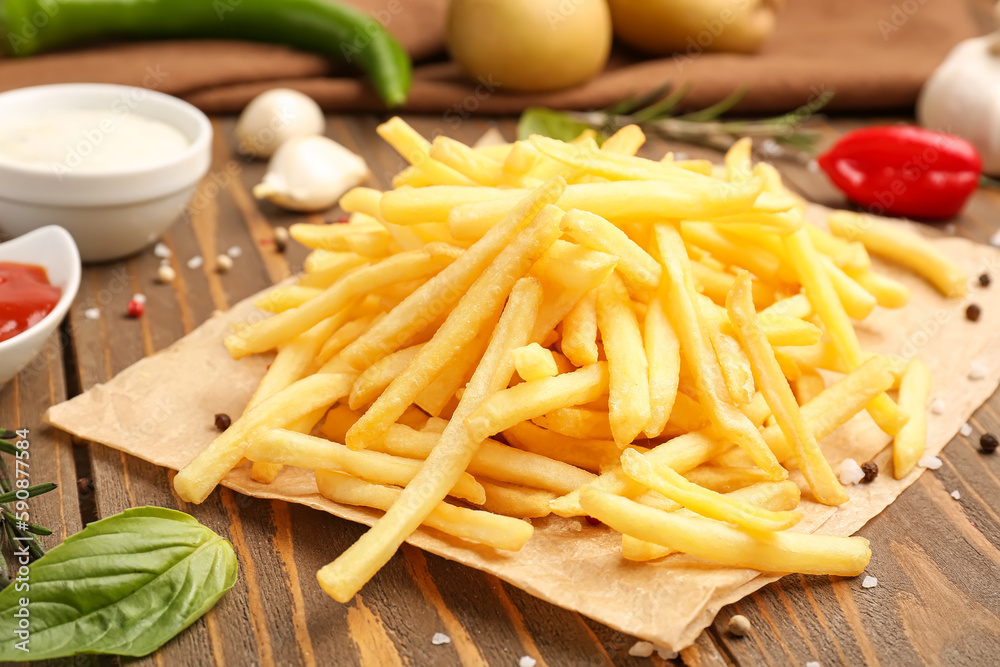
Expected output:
(161, 409)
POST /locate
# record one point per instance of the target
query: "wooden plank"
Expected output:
(23, 401)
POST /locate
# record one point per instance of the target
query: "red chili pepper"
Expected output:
(904, 170)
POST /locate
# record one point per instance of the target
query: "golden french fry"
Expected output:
(680, 304)
(377, 377)
(478, 307)
(334, 237)
(516, 501)
(344, 335)
(590, 454)
(823, 296)
(324, 268)
(628, 400)
(888, 292)
(725, 479)
(416, 150)
(283, 298)
(204, 472)
(735, 367)
(783, 551)
(808, 386)
(830, 409)
(307, 451)
(439, 293)
(573, 266)
(672, 485)
(342, 578)
(851, 256)
(291, 364)
(777, 496)
(755, 259)
(494, 460)
(715, 284)
(577, 422)
(613, 201)
(528, 400)
(269, 333)
(493, 530)
(441, 391)
(592, 231)
(663, 358)
(534, 362)
(818, 473)
(904, 247)
(338, 420)
(908, 445)
(857, 301)
(626, 141)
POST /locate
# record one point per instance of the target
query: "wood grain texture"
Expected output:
(937, 559)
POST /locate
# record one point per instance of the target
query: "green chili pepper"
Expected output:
(339, 32)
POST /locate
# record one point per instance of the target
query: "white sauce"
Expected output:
(88, 140)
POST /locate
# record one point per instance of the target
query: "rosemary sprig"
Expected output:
(17, 532)
(783, 136)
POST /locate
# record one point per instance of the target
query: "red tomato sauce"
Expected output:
(26, 296)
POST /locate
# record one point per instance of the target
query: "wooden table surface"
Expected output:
(937, 560)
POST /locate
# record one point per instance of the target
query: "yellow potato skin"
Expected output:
(690, 27)
(529, 45)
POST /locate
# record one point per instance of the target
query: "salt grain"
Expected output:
(141, 298)
(938, 406)
(850, 472)
(977, 370)
(813, 663)
(235, 251)
(527, 661)
(195, 262)
(574, 526)
(956, 495)
(162, 251)
(869, 582)
(966, 430)
(440, 638)
(92, 313)
(929, 462)
(223, 263)
(666, 653)
(641, 649)
(995, 239)
(166, 274)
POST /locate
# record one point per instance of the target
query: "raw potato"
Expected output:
(692, 26)
(529, 45)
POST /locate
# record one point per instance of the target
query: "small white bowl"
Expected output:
(52, 248)
(110, 213)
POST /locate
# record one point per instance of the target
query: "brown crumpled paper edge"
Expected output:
(161, 410)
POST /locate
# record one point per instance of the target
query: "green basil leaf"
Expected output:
(548, 123)
(124, 585)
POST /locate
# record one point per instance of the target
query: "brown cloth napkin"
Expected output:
(875, 54)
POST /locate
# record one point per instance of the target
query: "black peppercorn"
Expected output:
(973, 312)
(984, 280)
(222, 421)
(871, 472)
(988, 443)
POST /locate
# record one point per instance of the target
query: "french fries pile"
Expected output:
(547, 327)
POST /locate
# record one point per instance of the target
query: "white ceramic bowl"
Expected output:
(110, 213)
(53, 248)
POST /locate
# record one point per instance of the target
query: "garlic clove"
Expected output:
(962, 97)
(274, 117)
(310, 174)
